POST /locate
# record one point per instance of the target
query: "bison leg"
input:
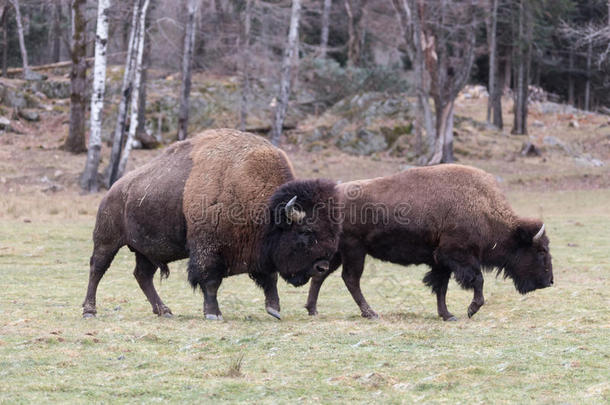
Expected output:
(477, 300)
(100, 261)
(438, 279)
(353, 265)
(316, 284)
(268, 282)
(144, 273)
(210, 302)
(207, 273)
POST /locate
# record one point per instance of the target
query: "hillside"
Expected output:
(574, 146)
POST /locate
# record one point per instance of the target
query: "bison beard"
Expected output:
(452, 218)
(228, 201)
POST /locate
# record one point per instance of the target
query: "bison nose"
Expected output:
(321, 266)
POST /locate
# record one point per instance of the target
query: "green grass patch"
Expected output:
(546, 347)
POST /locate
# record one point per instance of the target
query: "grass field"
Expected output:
(551, 346)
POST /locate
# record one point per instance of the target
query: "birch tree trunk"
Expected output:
(75, 142)
(325, 24)
(245, 69)
(282, 102)
(187, 63)
(89, 180)
(27, 74)
(135, 94)
(119, 129)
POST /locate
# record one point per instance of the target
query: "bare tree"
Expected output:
(523, 56)
(56, 32)
(27, 73)
(119, 129)
(245, 69)
(4, 22)
(356, 12)
(493, 63)
(289, 51)
(325, 24)
(409, 19)
(187, 63)
(448, 32)
(89, 179)
(75, 142)
(588, 80)
(135, 94)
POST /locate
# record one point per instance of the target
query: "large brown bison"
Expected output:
(228, 201)
(452, 218)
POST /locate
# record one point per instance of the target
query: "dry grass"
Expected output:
(546, 347)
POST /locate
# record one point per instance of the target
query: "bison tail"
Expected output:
(164, 270)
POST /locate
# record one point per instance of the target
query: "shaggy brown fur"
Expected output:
(453, 218)
(214, 199)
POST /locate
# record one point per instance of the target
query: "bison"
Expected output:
(228, 201)
(453, 218)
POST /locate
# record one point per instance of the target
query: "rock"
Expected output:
(556, 143)
(29, 115)
(529, 149)
(362, 142)
(5, 123)
(33, 76)
(574, 124)
(538, 124)
(56, 89)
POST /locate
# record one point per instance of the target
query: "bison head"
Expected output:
(529, 263)
(303, 231)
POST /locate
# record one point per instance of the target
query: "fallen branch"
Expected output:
(56, 65)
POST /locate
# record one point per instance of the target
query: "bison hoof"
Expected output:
(450, 319)
(473, 309)
(312, 312)
(213, 317)
(164, 312)
(274, 313)
(88, 315)
(370, 314)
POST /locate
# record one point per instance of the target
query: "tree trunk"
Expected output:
(5, 11)
(355, 16)
(56, 40)
(443, 146)
(75, 142)
(141, 134)
(89, 180)
(588, 81)
(496, 99)
(187, 63)
(245, 69)
(282, 102)
(325, 24)
(508, 71)
(571, 78)
(119, 130)
(493, 68)
(523, 62)
(135, 94)
(27, 74)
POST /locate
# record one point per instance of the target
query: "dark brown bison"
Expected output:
(453, 218)
(228, 201)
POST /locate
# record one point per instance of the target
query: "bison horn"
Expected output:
(292, 213)
(537, 237)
